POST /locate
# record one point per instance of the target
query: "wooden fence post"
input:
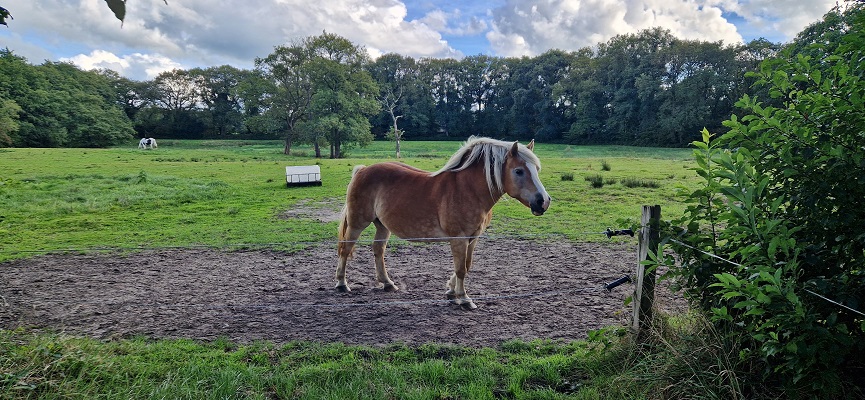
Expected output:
(644, 288)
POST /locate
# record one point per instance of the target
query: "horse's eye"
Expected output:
(519, 171)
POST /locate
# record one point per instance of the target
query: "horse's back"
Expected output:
(394, 193)
(386, 174)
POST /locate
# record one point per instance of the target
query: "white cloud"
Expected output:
(531, 27)
(788, 17)
(204, 33)
(147, 66)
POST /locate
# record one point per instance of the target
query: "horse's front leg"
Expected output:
(456, 286)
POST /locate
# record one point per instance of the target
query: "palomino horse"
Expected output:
(147, 142)
(453, 204)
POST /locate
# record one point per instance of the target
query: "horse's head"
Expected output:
(521, 181)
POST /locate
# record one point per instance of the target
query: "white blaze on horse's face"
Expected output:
(523, 183)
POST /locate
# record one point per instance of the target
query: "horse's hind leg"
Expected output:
(347, 240)
(378, 247)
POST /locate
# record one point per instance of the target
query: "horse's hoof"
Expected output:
(343, 288)
(468, 306)
(390, 287)
(451, 295)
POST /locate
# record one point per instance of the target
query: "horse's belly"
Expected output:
(414, 228)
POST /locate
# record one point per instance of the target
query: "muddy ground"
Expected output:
(524, 289)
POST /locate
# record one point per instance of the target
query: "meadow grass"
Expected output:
(49, 366)
(233, 194)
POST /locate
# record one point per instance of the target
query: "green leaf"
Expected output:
(4, 13)
(773, 247)
(729, 295)
(728, 279)
(755, 311)
(118, 7)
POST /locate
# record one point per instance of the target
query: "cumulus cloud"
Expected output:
(531, 27)
(204, 33)
(788, 17)
(235, 31)
(132, 65)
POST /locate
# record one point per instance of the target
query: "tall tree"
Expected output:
(173, 107)
(582, 99)
(533, 112)
(9, 110)
(288, 68)
(398, 80)
(633, 67)
(440, 76)
(218, 90)
(60, 105)
(344, 96)
(697, 90)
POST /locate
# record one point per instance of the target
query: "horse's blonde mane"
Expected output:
(492, 152)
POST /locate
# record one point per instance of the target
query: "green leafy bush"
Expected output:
(783, 203)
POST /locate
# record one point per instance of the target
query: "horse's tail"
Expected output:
(343, 220)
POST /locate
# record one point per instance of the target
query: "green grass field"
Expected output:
(232, 194)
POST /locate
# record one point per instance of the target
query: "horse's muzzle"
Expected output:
(539, 205)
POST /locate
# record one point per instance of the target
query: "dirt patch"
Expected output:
(524, 290)
(327, 210)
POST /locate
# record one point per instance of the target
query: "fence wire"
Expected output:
(742, 266)
(609, 233)
(608, 287)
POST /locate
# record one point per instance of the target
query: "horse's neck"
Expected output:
(476, 184)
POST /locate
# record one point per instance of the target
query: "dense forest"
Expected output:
(648, 88)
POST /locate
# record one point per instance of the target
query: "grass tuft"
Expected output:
(640, 183)
(596, 181)
(605, 166)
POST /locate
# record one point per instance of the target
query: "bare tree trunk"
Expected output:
(287, 149)
(397, 135)
(317, 149)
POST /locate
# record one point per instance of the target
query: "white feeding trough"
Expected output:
(303, 175)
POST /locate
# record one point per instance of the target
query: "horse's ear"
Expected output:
(515, 150)
(531, 145)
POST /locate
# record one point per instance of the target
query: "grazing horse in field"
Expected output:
(147, 142)
(453, 204)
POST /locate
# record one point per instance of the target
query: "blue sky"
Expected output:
(200, 33)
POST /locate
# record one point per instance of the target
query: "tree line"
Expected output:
(647, 88)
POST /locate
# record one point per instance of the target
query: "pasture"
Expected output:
(233, 194)
(203, 240)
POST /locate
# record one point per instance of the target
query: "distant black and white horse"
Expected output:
(147, 142)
